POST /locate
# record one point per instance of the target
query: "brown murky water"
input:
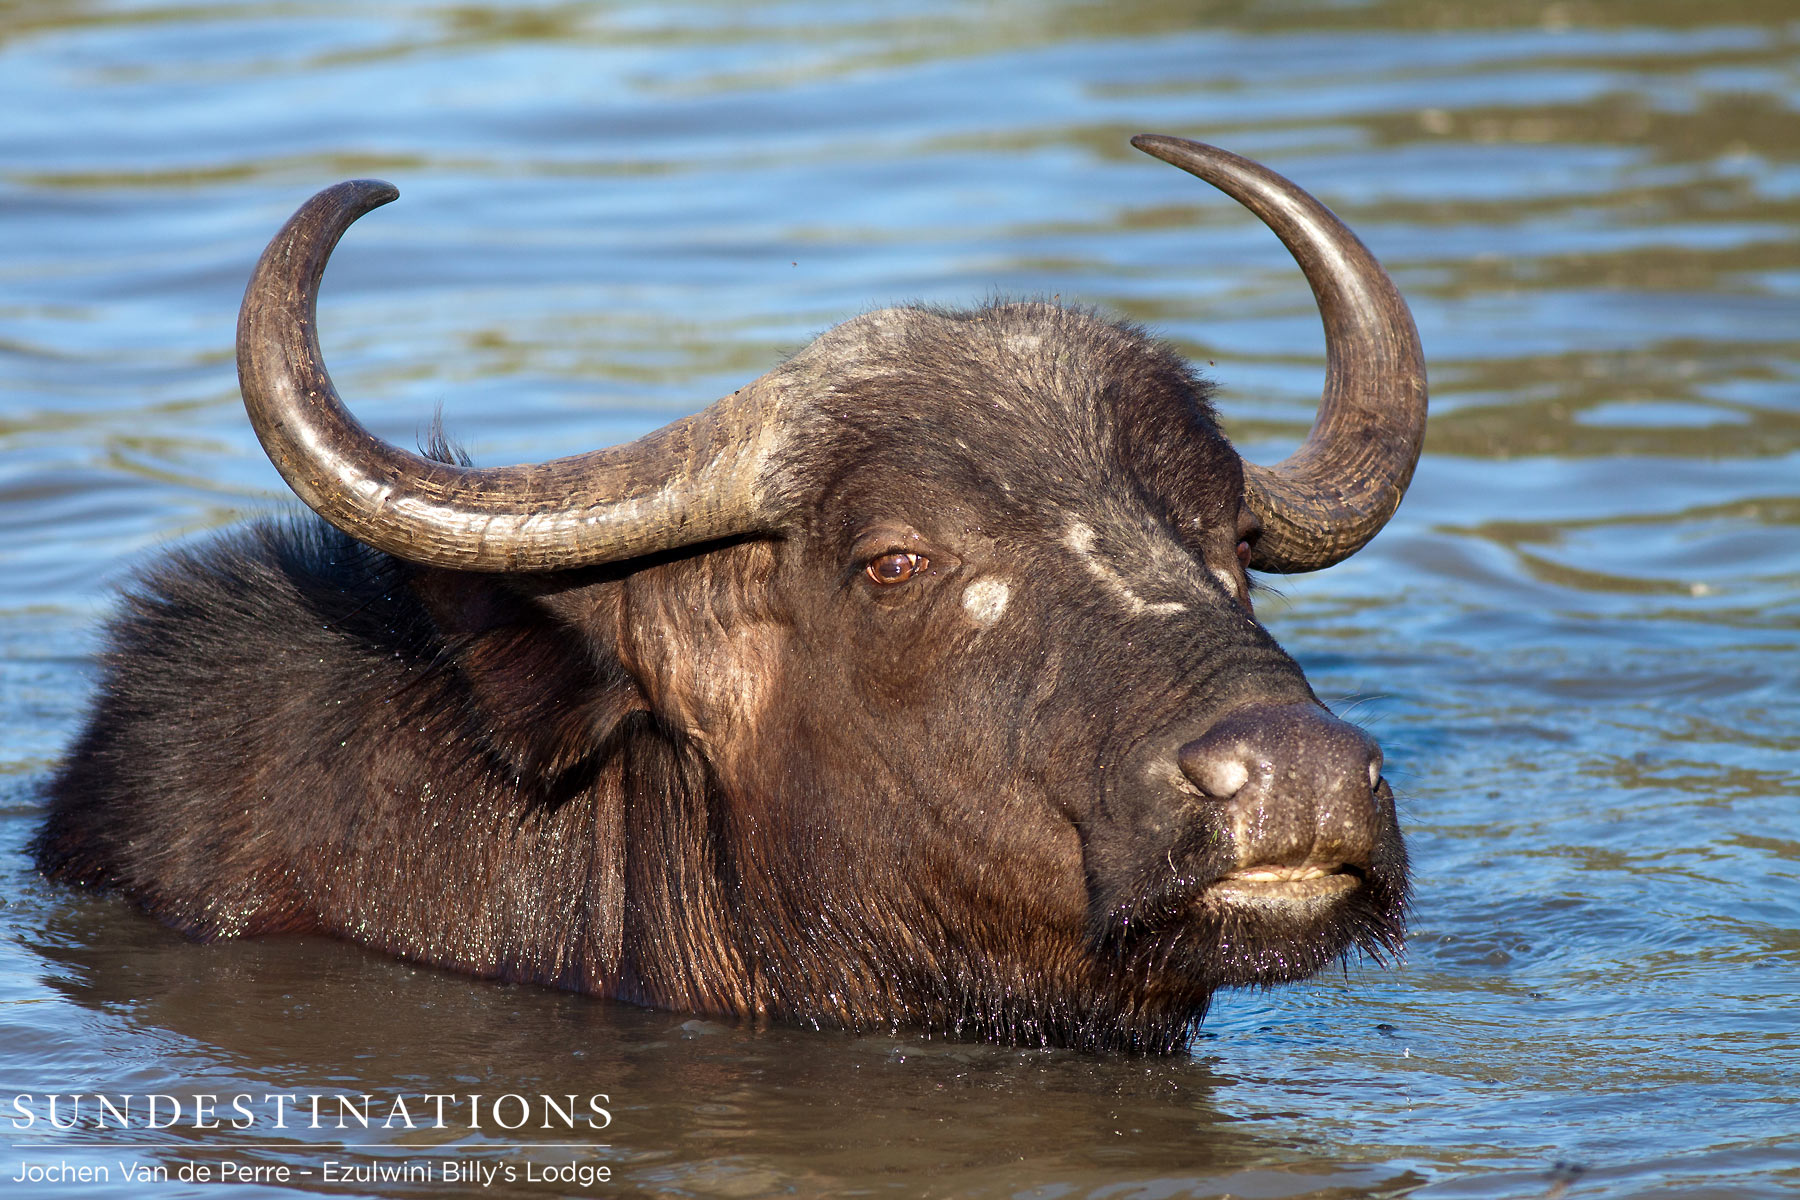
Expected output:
(1579, 642)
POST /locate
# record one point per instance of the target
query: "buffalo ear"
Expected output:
(546, 692)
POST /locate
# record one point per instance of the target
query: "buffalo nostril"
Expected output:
(1375, 771)
(1218, 777)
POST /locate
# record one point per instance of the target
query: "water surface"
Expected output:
(1577, 641)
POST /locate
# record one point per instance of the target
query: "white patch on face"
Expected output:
(1080, 540)
(984, 601)
(1225, 581)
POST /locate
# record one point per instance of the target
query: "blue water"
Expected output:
(1579, 641)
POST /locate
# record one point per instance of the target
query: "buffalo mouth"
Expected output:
(1307, 886)
(1261, 923)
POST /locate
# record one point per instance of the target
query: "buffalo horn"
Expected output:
(695, 480)
(1323, 502)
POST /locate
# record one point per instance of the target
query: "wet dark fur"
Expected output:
(738, 779)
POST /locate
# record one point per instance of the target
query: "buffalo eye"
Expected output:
(1243, 551)
(898, 567)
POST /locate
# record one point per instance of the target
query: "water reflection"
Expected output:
(696, 1105)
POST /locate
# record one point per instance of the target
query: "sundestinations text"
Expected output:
(507, 1111)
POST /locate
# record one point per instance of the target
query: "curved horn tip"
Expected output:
(361, 194)
(1167, 148)
(1211, 164)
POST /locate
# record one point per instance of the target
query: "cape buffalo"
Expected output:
(914, 684)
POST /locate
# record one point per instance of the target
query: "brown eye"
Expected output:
(897, 567)
(1244, 555)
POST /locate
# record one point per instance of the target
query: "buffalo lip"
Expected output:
(1306, 885)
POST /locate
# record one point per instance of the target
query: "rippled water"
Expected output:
(1579, 642)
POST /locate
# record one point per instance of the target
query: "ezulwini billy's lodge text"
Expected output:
(474, 1171)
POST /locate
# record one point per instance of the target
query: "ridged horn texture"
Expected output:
(1323, 502)
(695, 480)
